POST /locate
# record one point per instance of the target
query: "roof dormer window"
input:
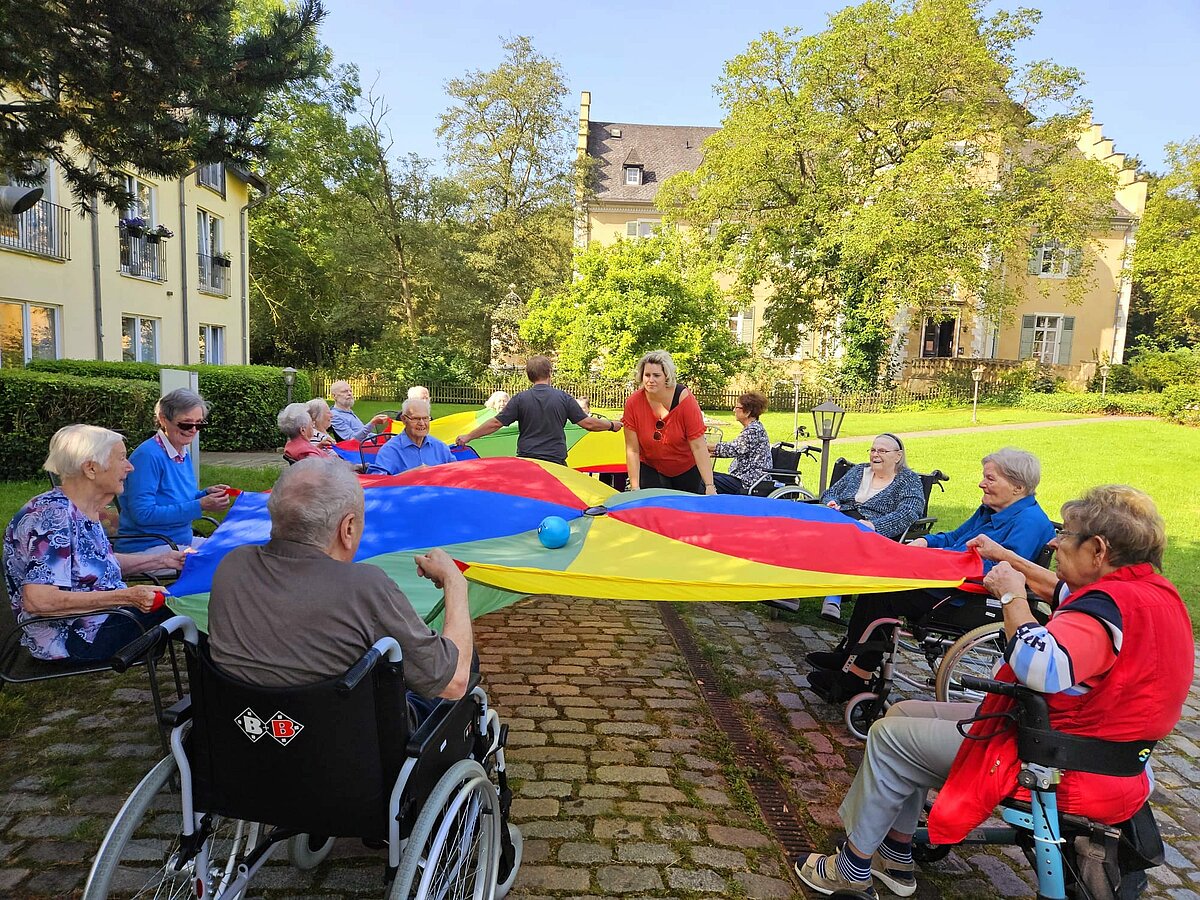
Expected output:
(633, 175)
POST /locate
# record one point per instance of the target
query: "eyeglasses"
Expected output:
(883, 450)
(416, 418)
(660, 425)
(1083, 536)
(190, 426)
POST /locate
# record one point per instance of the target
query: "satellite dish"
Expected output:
(15, 199)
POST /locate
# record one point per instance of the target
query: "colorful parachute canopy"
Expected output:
(352, 451)
(645, 545)
(587, 451)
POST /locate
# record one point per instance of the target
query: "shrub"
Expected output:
(1157, 370)
(245, 399)
(1122, 379)
(1182, 403)
(1137, 404)
(34, 405)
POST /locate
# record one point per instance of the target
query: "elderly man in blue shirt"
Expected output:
(345, 424)
(413, 447)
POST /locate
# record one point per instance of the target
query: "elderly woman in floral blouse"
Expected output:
(58, 560)
(751, 450)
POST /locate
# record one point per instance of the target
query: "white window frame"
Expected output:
(955, 342)
(151, 211)
(1047, 265)
(212, 336)
(642, 228)
(212, 176)
(138, 321)
(1047, 337)
(633, 176)
(742, 322)
(27, 326)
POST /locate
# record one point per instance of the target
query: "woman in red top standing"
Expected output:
(664, 431)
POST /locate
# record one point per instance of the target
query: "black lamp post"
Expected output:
(289, 378)
(976, 376)
(827, 420)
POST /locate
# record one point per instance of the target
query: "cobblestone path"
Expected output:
(624, 786)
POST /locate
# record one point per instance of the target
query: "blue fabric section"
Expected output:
(732, 505)
(1021, 527)
(161, 496)
(397, 518)
(400, 454)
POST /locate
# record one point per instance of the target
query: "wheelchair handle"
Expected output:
(385, 646)
(990, 685)
(141, 647)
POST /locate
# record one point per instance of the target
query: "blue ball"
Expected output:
(554, 532)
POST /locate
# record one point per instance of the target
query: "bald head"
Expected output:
(311, 498)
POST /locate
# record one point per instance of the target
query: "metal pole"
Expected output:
(796, 410)
(1103, 385)
(975, 405)
(289, 392)
(824, 464)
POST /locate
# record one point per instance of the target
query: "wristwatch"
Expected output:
(1007, 598)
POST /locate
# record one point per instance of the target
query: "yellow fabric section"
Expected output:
(653, 567)
(589, 490)
(447, 428)
(596, 448)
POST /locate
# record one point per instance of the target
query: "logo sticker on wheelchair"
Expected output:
(284, 728)
(252, 726)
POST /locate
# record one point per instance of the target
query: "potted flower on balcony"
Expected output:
(134, 226)
(223, 259)
(159, 233)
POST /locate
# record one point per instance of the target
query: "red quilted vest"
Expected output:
(1140, 698)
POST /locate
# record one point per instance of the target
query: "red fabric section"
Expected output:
(501, 475)
(1140, 698)
(800, 544)
(671, 456)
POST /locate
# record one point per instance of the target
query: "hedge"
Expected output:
(1141, 404)
(244, 400)
(34, 405)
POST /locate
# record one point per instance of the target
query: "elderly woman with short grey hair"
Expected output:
(297, 426)
(58, 560)
(162, 495)
(1009, 515)
(322, 418)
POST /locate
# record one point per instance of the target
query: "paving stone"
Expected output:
(45, 826)
(1001, 875)
(576, 853)
(10, 878)
(737, 837)
(554, 878)
(627, 879)
(632, 774)
(759, 887)
(654, 854)
(617, 829)
(696, 880)
(719, 857)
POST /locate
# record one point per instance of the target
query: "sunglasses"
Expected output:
(660, 425)
(190, 426)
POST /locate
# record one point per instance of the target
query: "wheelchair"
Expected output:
(253, 768)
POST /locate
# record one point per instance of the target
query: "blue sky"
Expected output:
(656, 62)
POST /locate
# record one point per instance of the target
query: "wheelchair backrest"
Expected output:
(785, 457)
(308, 758)
(842, 465)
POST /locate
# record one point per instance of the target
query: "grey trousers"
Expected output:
(909, 751)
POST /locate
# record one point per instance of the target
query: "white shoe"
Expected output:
(831, 611)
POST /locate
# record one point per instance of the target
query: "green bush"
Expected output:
(1137, 404)
(34, 405)
(1122, 379)
(244, 400)
(1182, 403)
(1158, 370)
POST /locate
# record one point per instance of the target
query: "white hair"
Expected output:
(659, 358)
(75, 445)
(294, 418)
(497, 401)
(180, 401)
(1020, 467)
(418, 392)
(411, 402)
(317, 407)
(310, 499)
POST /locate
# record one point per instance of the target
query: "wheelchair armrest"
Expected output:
(210, 520)
(919, 528)
(433, 723)
(161, 538)
(177, 713)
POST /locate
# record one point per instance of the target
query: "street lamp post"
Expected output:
(795, 409)
(1104, 370)
(827, 420)
(976, 376)
(289, 378)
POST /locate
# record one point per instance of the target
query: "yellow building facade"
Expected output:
(630, 161)
(163, 281)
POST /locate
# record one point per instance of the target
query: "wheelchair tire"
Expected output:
(134, 858)
(453, 850)
(307, 852)
(518, 842)
(975, 653)
(861, 712)
(791, 492)
(930, 853)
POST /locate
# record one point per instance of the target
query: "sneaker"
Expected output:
(831, 612)
(819, 872)
(900, 878)
(836, 686)
(826, 659)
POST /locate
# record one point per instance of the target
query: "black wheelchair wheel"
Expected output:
(139, 856)
(929, 853)
(861, 712)
(518, 842)
(454, 848)
(307, 851)
(792, 492)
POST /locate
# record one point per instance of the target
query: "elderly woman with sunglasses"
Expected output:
(161, 493)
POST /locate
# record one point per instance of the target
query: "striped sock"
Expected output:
(896, 851)
(851, 866)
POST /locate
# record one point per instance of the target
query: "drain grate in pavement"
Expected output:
(776, 809)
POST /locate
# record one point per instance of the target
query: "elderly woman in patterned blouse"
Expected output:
(751, 450)
(58, 560)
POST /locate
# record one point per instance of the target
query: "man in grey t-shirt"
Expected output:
(541, 411)
(299, 609)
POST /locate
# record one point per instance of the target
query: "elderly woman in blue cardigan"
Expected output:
(884, 494)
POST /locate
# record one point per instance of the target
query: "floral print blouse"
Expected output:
(751, 452)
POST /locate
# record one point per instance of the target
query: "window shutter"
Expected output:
(1026, 350)
(1064, 342)
(1035, 260)
(1075, 261)
(631, 229)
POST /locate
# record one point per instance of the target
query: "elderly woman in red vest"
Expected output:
(1115, 661)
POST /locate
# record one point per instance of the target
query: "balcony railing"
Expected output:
(143, 257)
(44, 229)
(214, 274)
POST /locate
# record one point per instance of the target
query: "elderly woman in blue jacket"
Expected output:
(1009, 515)
(884, 494)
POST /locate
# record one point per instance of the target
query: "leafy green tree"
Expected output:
(509, 140)
(156, 84)
(897, 158)
(1166, 259)
(632, 297)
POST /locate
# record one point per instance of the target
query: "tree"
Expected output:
(159, 85)
(900, 159)
(1166, 259)
(631, 297)
(508, 139)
